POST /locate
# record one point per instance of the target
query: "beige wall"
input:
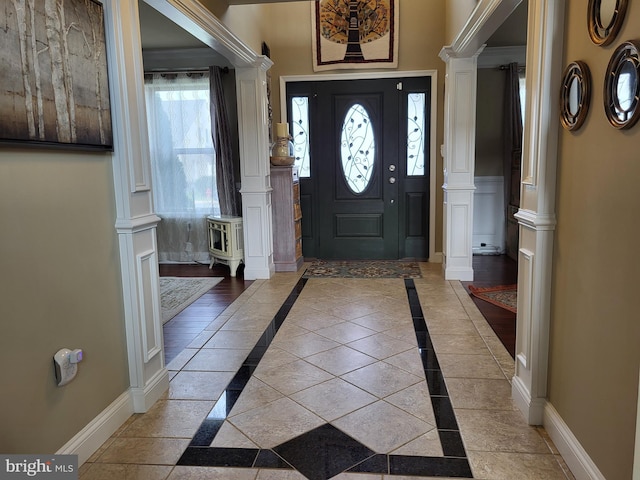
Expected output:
(421, 38)
(458, 12)
(593, 378)
(60, 288)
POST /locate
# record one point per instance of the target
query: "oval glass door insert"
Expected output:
(357, 148)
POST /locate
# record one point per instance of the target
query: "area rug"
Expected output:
(362, 269)
(177, 293)
(504, 296)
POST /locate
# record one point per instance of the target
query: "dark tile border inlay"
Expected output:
(351, 455)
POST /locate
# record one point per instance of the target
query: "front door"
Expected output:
(364, 193)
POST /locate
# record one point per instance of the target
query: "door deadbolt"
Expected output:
(392, 168)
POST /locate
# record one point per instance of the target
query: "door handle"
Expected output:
(392, 179)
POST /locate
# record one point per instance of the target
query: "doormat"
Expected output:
(362, 269)
(503, 296)
(177, 293)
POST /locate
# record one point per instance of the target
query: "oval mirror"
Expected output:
(357, 148)
(622, 86)
(604, 19)
(575, 95)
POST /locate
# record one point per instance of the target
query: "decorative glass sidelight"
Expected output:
(416, 122)
(357, 145)
(300, 135)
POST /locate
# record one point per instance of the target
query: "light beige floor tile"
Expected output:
(306, 344)
(311, 319)
(427, 445)
(514, 466)
(378, 321)
(170, 418)
(274, 357)
(408, 361)
(367, 424)
(181, 359)
(345, 332)
(333, 399)
(199, 385)
(469, 366)
(211, 473)
(218, 322)
(230, 437)
(265, 474)
(464, 344)
(217, 360)
(381, 346)
(201, 339)
(145, 451)
(289, 330)
(276, 422)
(255, 394)
(293, 377)
(499, 431)
(433, 299)
(476, 393)
(450, 326)
(416, 401)
(381, 379)
(456, 312)
(340, 360)
(353, 310)
(100, 471)
(234, 339)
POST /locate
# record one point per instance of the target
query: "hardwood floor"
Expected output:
(183, 329)
(489, 271)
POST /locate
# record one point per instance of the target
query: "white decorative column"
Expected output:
(459, 163)
(537, 206)
(136, 221)
(251, 86)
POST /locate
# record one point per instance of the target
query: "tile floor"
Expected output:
(351, 379)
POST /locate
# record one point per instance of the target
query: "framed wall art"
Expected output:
(354, 34)
(55, 88)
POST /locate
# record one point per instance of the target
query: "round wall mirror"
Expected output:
(575, 95)
(604, 20)
(622, 86)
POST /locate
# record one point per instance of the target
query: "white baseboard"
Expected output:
(144, 398)
(569, 447)
(532, 409)
(91, 437)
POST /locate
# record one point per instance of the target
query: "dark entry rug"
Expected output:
(504, 296)
(362, 269)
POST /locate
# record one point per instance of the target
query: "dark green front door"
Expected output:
(360, 202)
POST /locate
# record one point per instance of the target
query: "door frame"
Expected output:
(434, 256)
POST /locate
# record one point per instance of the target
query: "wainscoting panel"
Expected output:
(488, 216)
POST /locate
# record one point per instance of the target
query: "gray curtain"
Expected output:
(512, 138)
(221, 134)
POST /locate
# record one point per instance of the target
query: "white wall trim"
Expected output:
(284, 79)
(575, 456)
(144, 397)
(486, 17)
(98, 431)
